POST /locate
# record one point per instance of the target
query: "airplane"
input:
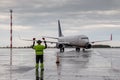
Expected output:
(77, 41)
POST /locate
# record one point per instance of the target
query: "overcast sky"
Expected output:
(35, 18)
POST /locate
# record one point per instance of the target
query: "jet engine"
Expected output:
(59, 45)
(88, 46)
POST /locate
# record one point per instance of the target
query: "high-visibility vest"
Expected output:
(39, 49)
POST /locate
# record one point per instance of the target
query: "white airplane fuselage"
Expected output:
(77, 40)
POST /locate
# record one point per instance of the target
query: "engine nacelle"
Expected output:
(88, 46)
(59, 45)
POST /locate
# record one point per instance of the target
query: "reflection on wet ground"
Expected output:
(96, 64)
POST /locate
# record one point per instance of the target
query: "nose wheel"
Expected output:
(78, 49)
(83, 49)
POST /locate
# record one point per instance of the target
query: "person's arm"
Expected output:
(45, 44)
(33, 43)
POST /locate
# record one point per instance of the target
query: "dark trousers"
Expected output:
(39, 58)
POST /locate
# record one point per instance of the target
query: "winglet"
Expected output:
(111, 37)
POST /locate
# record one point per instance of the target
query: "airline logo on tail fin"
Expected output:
(59, 29)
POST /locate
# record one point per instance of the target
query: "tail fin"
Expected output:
(59, 29)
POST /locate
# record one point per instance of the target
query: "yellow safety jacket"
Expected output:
(39, 49)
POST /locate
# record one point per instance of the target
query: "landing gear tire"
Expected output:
(78, 49)
(83, 49)
(61, 49)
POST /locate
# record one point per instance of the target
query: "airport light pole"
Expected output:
(11, 36)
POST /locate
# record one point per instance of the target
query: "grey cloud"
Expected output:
(84, 5)
(61, 6)
(42, 15)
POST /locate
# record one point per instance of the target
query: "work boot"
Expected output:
(37, 74)
(41, 75)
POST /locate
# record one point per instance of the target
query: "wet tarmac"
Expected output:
(94, 64)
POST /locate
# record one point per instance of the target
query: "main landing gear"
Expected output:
(78, 49)
(62, 49)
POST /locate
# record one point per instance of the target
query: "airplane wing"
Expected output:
(57, 42)
(54, 42)
(36, 40)
(63, 43)
(28, 40)
(102, 40)
(44, 39)
(50, 37)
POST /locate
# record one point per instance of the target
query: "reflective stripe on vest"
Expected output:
(39, 49)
